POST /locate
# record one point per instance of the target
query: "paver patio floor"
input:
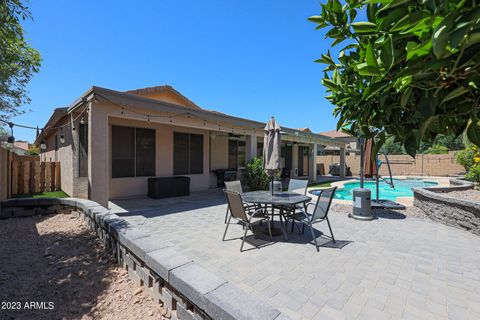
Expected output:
(388, 268)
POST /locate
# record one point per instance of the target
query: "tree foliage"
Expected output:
(411, 71)
(18, 61)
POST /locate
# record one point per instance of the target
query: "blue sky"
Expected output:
(249, 58)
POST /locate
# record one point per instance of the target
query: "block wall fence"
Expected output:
(185, 289)
(440, 165)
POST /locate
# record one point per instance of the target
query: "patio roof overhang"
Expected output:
(237, 124)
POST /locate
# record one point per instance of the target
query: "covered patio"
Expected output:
(394, 267)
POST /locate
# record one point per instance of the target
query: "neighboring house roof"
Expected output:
(150, 92)
(137, 99)
(335, 134)
(304, 130)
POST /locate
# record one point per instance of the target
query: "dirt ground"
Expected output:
(53, 267)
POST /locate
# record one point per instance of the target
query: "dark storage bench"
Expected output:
(164, 187)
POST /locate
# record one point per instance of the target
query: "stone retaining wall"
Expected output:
(460, 213)
(184, 288)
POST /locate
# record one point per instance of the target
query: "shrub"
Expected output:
(436, 149)
(474, 173)
(254, 175)
(466, 157)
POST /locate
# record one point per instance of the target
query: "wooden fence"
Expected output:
(30, 175)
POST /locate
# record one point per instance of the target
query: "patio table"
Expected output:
(280, 200)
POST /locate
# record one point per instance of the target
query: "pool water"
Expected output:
(402, 188)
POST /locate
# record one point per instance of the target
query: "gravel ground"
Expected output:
(473, 195)
(55, 262)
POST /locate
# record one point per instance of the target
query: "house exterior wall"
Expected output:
(67, 155)
(137, 186)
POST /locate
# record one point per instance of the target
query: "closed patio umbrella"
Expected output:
(271, 149)
(370, 169)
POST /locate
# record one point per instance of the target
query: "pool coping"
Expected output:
(406, 201)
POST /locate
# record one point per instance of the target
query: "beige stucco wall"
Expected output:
(68, 157)
(422, 164)
(137, 186)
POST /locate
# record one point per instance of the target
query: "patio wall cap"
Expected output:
(194, 282)
(228, 302)
(128, 235)
(143, 245)
(164, 260)
(438, 193)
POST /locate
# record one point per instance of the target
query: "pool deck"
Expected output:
(394, 267)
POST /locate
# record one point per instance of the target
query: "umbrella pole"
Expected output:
(377, 176)
(362, 162)
(272, 185)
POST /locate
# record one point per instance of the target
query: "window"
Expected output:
(83, 150)
(133, 152)
(187, 153)
(236, 154)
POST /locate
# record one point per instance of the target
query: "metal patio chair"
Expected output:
(298, 186)
(236, 186)
(238, 211)
(319, 213)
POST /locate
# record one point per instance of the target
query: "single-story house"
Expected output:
(109, 142)
(352, 144)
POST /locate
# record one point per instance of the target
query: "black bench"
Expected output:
(165, 187)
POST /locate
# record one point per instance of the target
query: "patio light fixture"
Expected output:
(43, 144)
(82, 121)
(10, 139)
(62, 136)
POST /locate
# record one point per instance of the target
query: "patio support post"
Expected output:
(98, 150)
(294, 160)
(342, 162)
(251, 146)
(313, 163)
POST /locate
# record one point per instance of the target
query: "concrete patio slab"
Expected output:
(392, 267)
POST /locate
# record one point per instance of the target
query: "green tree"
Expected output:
(410, 71)
(18, 61)
(254, 175)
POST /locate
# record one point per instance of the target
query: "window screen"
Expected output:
(232, 154)
(145, 152)
(196, 153)
(123, 152)
(187, 153)
(180, 153)
(133, 152)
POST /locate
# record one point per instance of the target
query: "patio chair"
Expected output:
(238, 212)
(298, 186)
(319, 213)
(236, 186)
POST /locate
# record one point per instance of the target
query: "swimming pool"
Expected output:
(403, 188)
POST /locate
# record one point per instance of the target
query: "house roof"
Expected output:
(135, 100)
(335, 134)
(304, 129)
(58, 113)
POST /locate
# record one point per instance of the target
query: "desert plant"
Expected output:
(466, 157)
(436, 149)
(254, 175)
(473, 174)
